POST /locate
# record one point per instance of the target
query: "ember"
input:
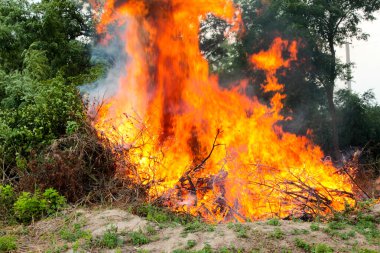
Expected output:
(200, 148)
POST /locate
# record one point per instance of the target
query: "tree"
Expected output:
(328, 24)
(60, 28)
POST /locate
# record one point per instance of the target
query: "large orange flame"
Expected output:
(204, 149)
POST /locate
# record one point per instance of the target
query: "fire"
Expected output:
(200, 148)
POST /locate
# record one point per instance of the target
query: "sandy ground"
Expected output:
(44, 236)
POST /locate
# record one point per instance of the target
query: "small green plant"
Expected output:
(240, 229)
(7, 199)
(111, 239)
(322, 248)
(367, 226)
(297, 231)
(151, 230)
(29, 207)
(74, 233)
(138, 238)
(274, 222)
(54, 201)
(314, 226)
(191, 244)
(337, 225)
(197, 226)
(302, 244)
(160, 215)
(7, 243)
(277, 234)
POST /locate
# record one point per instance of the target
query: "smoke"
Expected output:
(113, 57)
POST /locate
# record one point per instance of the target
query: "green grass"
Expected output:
(322, 248)
(274, 222)
(277, 234)
(139, 238)
(111, 239)
(8, 243)
(191, 244)
(197, 226)
(314, 226)
(297, 231)
(302, 245)
(367, 226)
(72, 234)
(161, 215)
(240, 229)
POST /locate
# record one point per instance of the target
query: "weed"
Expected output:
(240, 229)
(138, 238)
(74, 233)
(111, 239)
(197, 226)
(161, 215)
(277, 234)
(366, 225)
(274, 222)
(297, 231)
(314, 226)
(7, 243)
(151, 230)
(337, 225)
(322, 248)
(59, 249)
(302, 245)
(191, 244)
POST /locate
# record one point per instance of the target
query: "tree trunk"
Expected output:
(330, 100)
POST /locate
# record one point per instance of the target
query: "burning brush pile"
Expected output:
(197, 147)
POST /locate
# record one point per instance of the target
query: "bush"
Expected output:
(7, 243)
(29, 207)
(74, 165)
(7, 198)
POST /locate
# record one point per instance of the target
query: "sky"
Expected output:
(366, 56)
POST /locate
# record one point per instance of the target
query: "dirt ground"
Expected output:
(49, 235)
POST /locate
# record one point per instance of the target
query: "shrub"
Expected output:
(7, 198)
(29, 207)
(111, 239)
(138, 238)
(7, 243)
(54, 201)
(274, 222)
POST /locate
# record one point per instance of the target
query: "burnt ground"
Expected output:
(115, 230)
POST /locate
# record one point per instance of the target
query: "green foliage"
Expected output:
(302, 244)
(74, 233)
(7, 198)
(54, 201)
(8, 243)
(111, 239)
(359, 118)
(139, 238)
(297, 231)
(191, 244)
(314, 226)
(161, 215)
(240, 229)
(29, 207)
(274, 222)
(277, 234)
(34, 113)
(197, 226)
(322, 248)
(367, 226)
(53, 27)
